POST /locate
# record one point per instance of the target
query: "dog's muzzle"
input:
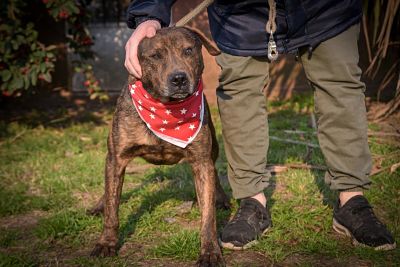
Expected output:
(179, 85)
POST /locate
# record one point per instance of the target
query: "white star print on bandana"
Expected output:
(176, 122)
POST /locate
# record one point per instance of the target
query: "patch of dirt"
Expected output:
(236, 258)
(247, 258)
(188, 224)
(24, 221)
(23, 225)
(391, 124)
(87, 200)
(280, 189)
(299, 259)
(135, 252)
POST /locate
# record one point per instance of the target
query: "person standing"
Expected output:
(324, 34)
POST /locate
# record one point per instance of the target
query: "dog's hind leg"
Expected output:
(222, 200)
(204, 178)
(98, 208)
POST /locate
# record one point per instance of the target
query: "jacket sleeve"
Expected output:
(142, 10)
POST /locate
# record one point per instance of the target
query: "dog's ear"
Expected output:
(208, 44)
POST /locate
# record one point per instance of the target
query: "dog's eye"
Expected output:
(188, 51)
(156, 55)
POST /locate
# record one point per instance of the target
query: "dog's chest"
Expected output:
(157, 151)
(148, 146)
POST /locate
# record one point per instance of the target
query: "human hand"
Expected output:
(145, 29)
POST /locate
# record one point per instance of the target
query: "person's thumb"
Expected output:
(150, 32)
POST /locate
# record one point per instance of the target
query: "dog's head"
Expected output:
(172, 62)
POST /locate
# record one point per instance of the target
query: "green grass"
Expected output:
(55, 170)
(66, 223)
(184, 245)
(16, 260)
(8, 238)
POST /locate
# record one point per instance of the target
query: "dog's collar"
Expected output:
(175, 122)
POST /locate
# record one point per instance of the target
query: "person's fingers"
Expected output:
(146, 29)
(131, 69)
(137, 70)
(131, 58)
(128, 60)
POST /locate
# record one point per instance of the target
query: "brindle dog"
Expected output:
(172, 65)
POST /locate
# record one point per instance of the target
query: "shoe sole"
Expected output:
(339, 228)
(231, 246)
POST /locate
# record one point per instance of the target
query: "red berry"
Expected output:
(87, 41)
(24, 70)
(63, 14)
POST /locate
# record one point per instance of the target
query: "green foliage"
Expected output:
(91, 82)
(25, 61)
(62, 9)
(74, 14)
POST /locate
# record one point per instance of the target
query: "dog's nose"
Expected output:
(178, 79)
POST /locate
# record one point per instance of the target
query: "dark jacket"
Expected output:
(238, 27)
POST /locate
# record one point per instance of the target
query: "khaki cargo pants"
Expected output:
(334, 75)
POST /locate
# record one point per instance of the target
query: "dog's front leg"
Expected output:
(204, 178)
(114, 175)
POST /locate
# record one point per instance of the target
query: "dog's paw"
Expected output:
(103, 251)
(223, 204)
(211, 259)
(95, 211)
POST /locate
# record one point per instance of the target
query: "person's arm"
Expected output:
(146, 17)
(142, 10)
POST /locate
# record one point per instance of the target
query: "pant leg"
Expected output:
(334, 74)
(242, 107)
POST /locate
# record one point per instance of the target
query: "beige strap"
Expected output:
(271, 24)
(272, 51)
(193, 13)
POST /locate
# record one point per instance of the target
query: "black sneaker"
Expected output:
(357, 220)
(251, 221)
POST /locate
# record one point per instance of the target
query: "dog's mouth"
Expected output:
(174, 93)
(179, 96)
(175, 97)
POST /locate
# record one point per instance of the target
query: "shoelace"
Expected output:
(245, 211)
(367, 212)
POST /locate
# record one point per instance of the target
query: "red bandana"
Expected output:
(176, 122)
